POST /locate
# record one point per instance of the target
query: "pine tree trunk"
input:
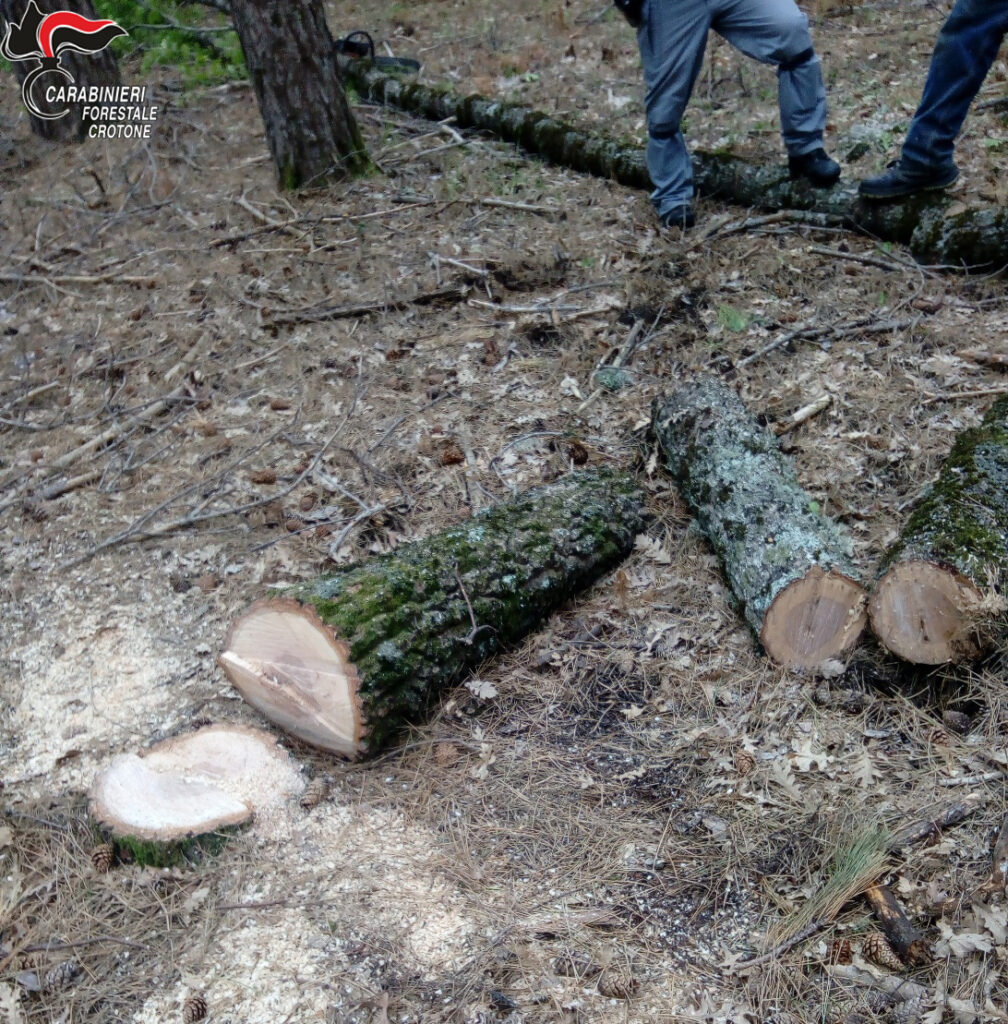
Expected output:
(789, 567)
(292, 63)
(930, 600)
(86, 69)
(345, 661)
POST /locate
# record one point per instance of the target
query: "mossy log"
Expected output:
(181, 800)
(787, 564)
(971, 238)
(936, 583)
(345, 661)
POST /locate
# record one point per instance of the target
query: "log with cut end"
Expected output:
(788, 565)
(938, 580)
(183, 797)
(345, 661)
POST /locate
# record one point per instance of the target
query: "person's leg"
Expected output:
(672, 38)
(966, 48)
(777, 32)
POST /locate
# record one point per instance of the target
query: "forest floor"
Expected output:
(646, 802)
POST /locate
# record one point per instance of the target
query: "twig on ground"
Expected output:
(320, 311)
(951, 396)
(809, 332)
(806, 412)
(857, 257)
(998, 360)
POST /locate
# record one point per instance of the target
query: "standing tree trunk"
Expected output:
(86, 69)
(291, 59)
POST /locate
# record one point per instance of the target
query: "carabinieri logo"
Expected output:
(46, 37)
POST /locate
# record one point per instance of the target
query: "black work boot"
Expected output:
(816, 168)
(903, 179)
(678, 217)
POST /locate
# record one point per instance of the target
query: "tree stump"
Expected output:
(345, 661)
(937, 581)
(182, 798)
(788, 565)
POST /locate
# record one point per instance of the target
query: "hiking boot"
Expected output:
(678, 217)
(816, 168)
(903, 179)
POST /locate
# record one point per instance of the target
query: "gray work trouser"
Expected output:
(672, 38)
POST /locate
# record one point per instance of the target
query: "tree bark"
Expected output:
(86, 69)
(345, 661)
(292, 62)
(902, 935)
(789, 566)
(933, 593)
(181, 799)
(971, 239)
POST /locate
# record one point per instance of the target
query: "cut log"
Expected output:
(972, 238)
(902, 935)
(180, 800)
(345, 661)
(789, 566)
(938, 581)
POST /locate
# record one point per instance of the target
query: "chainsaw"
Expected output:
(360, 46)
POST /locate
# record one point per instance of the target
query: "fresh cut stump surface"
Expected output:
(788, 565)
(346, 660)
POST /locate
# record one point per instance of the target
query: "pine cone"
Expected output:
(876, 949)
(194, 1008)
(574, 963)
(839, 951)
(909, 1011)
(618, 985)
(938, 737)
(315, 792)
(60, 976)
(745, 763)
(957, 721)
(103, 857)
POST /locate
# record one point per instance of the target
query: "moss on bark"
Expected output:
(746, 496)
(417, 619)
(962, 521)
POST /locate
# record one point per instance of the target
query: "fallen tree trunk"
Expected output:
(345, 661)
(971, 238)
(934, 588)
(788, 566)
(181, 799)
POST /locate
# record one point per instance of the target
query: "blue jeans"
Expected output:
(963, 54)
(672, 38)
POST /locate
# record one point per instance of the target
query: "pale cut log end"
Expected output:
(926, 613)
(287, 663)
(813, 619)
